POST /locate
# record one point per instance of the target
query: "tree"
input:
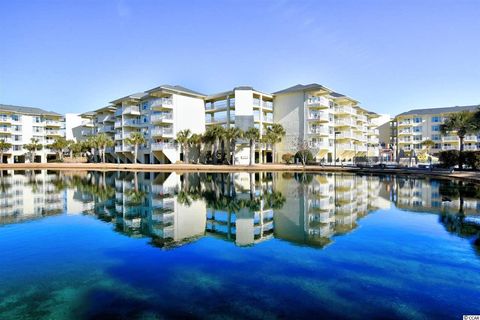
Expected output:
(183, 137)
(76, 148)
(428, 144)
(58, 146)
(287, 158)
(195, 140)
(103, 141)
(462, 123)
(304, 150)
(253, 135)
(136, 139)
(33, 147)
(274, 135)
(232, 135)
(4, 146)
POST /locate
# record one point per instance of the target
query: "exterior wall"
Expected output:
(334, 127)
(414, 129)
(73, 126)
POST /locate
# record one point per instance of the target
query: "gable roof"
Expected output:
(27, 110)
(178, 89)
(440, 110)
(301, 87)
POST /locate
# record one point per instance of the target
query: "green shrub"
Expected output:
(449, 158)
(288, 158)
(472, 159)
(309, 156)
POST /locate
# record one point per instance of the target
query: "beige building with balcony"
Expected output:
(18, 125)
(243, 107)
(415, 126)
(334, 126)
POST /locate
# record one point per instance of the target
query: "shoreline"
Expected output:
(473, 176)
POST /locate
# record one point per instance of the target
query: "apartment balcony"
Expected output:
(105, 129)
(320, 145)
(105, 118)
(373, 140)
(323, 131)
(210, 120)
(345, 110)
(158, 146)
(118, 124)
(319, 116)
(345, 135)
(8, 140)
(52, 123)
(318, 102)
(450, 148)
(267, 105)
(267, 118)
(361, 118)
(470, 138)
(131, 122)
(5, 130)
(126, 148)
(87, 123)
(162, 117)
(53, 132)
(404, 123)
(470, 148)
(361, 128)
(450, 138)
(404, 132)
(347, 122)
(5, 119)
(118, 136)
(345, 146)
(161, 131)
(133, 110)
(87, 132)
(162, 103)
(118, 148)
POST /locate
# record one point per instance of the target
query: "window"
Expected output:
(417, 129)
(437, 146)
(417, 138)
(417, 120)
(436, 119)
(435, 137)
(436, 128)
(38, 119)
(17, 138)
(15, 117)
(144, 105)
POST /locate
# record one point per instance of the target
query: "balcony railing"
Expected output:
(318, 102)
(344, 122)
(470, 148)
(162, 145)
(158, 131)
(118, 136)
(450, 138)
(131, 122)
(52, 123)
(319, 130)
(470, 138)
(345, 109)
(318, 116)
(319, 144)
(362, 118)
(161, 117)
(267, 105)
(162, 103)
(345, 146)
(52, 132)
(131, 110)
(118, 124)
(105, 129)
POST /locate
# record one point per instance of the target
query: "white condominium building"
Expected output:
(242, 107)
(159, 114)
(413, 127)
(331, 123)
(18, 125)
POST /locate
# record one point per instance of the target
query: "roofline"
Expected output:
(162, 87)
(42, 112)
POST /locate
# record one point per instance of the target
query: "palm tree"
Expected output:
(195, 140)
(461, 122)
(232, 135)
(58, 145)
(136, 139)
(103, 141)
(215, 133)
(183, 137)
(33, 147)
(209, 138)
(4, 146)
(428, 144)
(274, 135)
(253, 135)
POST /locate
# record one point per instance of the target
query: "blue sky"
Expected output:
(74, 56)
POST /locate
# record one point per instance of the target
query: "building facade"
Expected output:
(19, 125)
(333, 125)
(414, 127)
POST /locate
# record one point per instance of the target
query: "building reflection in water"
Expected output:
(245, 208)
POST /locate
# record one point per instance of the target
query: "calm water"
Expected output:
(258, 246)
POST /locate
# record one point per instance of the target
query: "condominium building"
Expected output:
(333, 125)
(415, 126)
(19, 125)
(242, 107)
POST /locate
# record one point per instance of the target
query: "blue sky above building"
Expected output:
(392, 56)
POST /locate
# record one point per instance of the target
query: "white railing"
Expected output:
(161, 117)
(118, 136)
(318, 116)
(318, 101)
(131, 122)
(345, 135)
(345, 146)
(319, 144)
(162, 145)
(405, 131)
(87, 123)
(162, 103)
(52, 132)
(470, 148)
(118, 148)
(161, 131)
(362, 118)
(345, 109)
(267, 105)
(450, 138)
(131, 110)
(449, 148)
(471, 138)
(319, 130)
(118, 124)
(344, 122)
(268, 118)
(52, 122)
(105, 129)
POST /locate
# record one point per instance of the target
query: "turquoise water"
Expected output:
(249, 246)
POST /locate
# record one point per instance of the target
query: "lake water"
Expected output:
(95, 245)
